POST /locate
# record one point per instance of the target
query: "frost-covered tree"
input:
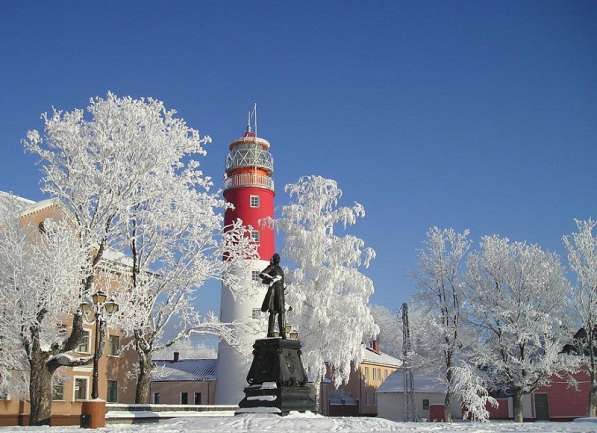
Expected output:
(440, 285)
(326, 287)
(175, 243)
(100, 163)
(40, 280)
(582, 258)
(116, 167)
(516, 297)
(423, 347)
(390, 329)
(469, 386)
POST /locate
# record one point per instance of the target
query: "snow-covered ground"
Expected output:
(299, 423)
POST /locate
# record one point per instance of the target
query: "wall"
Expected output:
(252, 216)
(110, 367)
(170, 391)
(362, 386)
(16, 412)
(391, 405)
(565, 401)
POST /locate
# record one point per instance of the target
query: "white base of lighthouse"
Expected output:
(233, 364)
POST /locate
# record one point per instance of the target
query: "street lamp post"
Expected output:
(97, 309)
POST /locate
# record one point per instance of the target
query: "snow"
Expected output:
(185, 369)
(114, 415)
(395, 383)
(263, 397)
(369, 355)
(587, 419)
(311, 423)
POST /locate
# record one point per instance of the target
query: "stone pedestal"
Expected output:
(277, 379)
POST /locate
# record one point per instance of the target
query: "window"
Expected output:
(197, 398)
(112, 391)
(255, 235)
(81, 388)
(57, 389)
(114, 345)
(156, 398)
(425, 404)
(184, 398)
(254, 201)
(83, 346)
(255, 276)
(256, 313)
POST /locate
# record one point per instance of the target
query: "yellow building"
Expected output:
(115, 365)
(358, 396)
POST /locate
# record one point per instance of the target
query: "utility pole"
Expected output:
(407, 374)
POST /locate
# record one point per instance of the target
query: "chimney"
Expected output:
(375, 346)
(176, 356)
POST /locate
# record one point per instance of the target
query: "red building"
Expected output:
(564, 399)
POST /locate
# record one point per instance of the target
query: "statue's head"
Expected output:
(276, 259)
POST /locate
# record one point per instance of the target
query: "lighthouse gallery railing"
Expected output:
(248, 179)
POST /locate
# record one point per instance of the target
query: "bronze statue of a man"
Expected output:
(273, 302)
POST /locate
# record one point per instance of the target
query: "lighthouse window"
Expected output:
(255, 275)
(254, 201)
(256, 313)
(255, 235)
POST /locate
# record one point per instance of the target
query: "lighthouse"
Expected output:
(249, 186)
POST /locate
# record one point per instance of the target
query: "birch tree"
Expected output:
(582, 258)
(326, 287)
(40, 279)
(440, 285)
(516, 299)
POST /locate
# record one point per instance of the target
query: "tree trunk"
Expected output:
(447, 403)
(593, 395)
(144, 379)
(448, 398)
(40, 389)
(517, 403)
(317, 386)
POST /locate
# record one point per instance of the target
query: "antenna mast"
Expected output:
(409, 388)
(252, 115)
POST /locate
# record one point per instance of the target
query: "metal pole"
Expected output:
(95, 385)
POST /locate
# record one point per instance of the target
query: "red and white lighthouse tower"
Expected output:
(250, 188)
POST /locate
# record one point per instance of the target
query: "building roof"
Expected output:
(10, 201)
(422, 383)
(184, 370)
(26, 207)
(371, 356)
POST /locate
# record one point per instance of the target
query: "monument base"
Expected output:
(277, 379)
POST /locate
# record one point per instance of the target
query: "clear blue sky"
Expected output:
(479, 115)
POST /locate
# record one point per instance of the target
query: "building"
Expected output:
(183, 381)
(74, 383)
(358, 396)
(563, 399)
(428, 391)
(250, 188)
